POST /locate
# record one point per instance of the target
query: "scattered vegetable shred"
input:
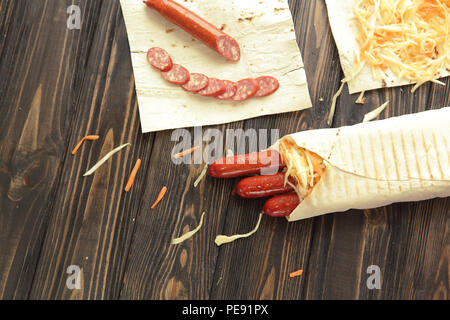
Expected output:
(296, 273)
(375, 113)
(133, 175)
(333, 104)
(220, 240)
(202, 175)
(185, 153)
(105, 158)
(91, 138)
(161, 195)
(361, 99)
(190, 233)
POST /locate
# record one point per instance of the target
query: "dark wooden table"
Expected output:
(57, 85)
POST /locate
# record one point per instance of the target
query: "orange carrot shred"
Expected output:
(133, 175)
(160, 197)
(315, 161)
(91, 138)
(296, 273)
(186, 152)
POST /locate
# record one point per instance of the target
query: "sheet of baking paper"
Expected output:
(344, 28)
(265, 32)
(377, 163)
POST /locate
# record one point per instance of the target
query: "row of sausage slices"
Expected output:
(210, 87)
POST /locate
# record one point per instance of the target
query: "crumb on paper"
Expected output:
(249, 19)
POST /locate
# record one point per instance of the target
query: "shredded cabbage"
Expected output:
(305, 167)
(189, 234)
(409, 37)
(375, 113)
(221, 239)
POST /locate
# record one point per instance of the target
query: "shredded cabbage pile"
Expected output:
(409, 37)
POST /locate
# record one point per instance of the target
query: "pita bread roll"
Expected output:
(375, 164)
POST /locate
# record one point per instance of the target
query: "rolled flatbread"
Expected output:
(374, 164)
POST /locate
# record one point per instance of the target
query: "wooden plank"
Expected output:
(259, 267)
(409, 242)
(7, 10)
(156, 269)
(347, 244)
(93, 218)
(42, 64)
(412, 242)
(179, 273)
(44, 201)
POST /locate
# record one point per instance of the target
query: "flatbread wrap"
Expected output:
(372, 164)
(364, 166)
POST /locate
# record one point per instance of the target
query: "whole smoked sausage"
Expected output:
(201, 29)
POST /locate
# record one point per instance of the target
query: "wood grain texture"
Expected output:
(92, 217)
(182, 271)
(62, 85)
(266, 259)
(36, 103)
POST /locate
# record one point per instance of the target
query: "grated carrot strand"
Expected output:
(296, 273)
(161, 195)
(78, 146)
(186, 152)
(133, 175)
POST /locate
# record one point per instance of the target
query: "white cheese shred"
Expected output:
(375, 113)
(230, 153)
(189, 234)
(105, 158)
(220, 240)
(202, 175)
(333, 104)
